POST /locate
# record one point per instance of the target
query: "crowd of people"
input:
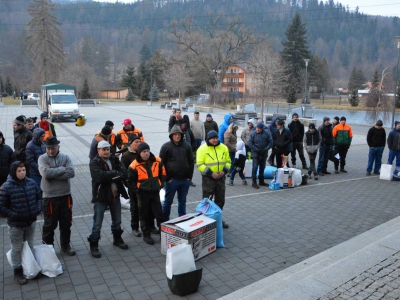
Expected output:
(35, 176)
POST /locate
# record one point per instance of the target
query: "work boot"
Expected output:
(136, 232)
(343, 170)
(244, 182)
(148, 240)
(94, 249)
(19, 276)
(192, 184)
(320, 174)
(230, 183)
(262, 183)
(315, 177)
(68, 250)
(255, 185)
(225, 225)
(326, 172)
(336, 171)
(118, 241)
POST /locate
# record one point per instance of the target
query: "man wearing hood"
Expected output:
(177, 157)
(20, 203)
(393, 142)
(213, 162)
(125, 132)
(6, 158)
(56, 170)
(246, 134)
(145, 179)
(34, 150)
(210, 124)
(228, 119)
(46, 126)
(108, 175)
(21, 138)
(260, 142)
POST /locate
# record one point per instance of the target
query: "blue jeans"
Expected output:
(175, 186)
(99, 209)
(392, 155)
(17, 237)
(241, 175)
(323, 158)
(375, 155)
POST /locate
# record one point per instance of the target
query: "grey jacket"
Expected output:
(56, 179)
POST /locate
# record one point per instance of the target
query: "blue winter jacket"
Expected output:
(6, 158)
(34, 149)
(393, 140)
(272, 126)
(20, 200)
(223, 127)
(260, 143)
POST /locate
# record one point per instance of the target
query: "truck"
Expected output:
(59, 101)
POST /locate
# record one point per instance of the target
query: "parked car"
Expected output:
(33, 96)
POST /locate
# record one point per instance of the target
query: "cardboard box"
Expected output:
(194, 229)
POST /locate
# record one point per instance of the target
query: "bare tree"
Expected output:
(267, 73)
(213, 46)
(45, 41)
(177, 79)
(379, 101)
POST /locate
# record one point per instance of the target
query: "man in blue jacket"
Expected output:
(260, 142)
(228, 119)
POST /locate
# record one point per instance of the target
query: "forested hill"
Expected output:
(346, 39)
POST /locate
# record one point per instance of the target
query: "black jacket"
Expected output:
(21, 139)
(376, 137)
(6, 158)
(177, 158)
(103, 177)
(297, 131)
(282, 139)
(326, 135)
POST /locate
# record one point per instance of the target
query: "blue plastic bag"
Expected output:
(212, 210)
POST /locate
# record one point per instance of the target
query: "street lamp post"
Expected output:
(397, 39)
(151, 86)
(306, 60)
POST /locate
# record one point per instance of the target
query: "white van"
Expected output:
(63, 106)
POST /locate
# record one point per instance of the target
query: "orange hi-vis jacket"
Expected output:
(122, 139)
(147, 176)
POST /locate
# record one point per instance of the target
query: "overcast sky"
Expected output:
(371, 7)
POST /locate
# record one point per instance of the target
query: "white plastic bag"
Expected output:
(180, 260)
(47, 260)
(386, 172)
(29, 264)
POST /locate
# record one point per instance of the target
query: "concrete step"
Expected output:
(324, 272)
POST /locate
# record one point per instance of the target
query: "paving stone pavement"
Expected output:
(269, 230)
(379, 282)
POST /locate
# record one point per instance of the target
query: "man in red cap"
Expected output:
(125, 132)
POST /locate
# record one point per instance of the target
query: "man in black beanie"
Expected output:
(376, 140)
(98, 137)
(146, 176)
(297, 131)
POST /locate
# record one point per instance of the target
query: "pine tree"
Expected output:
(353, 99)
(145, 91)
(357, 79)
(295, 49)
(154, 93)
(45, 41)
(130, 96)
(8, 86)
(2, 89)
(129, 79)
(375, 80)
(292, 98)
(85, 93)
